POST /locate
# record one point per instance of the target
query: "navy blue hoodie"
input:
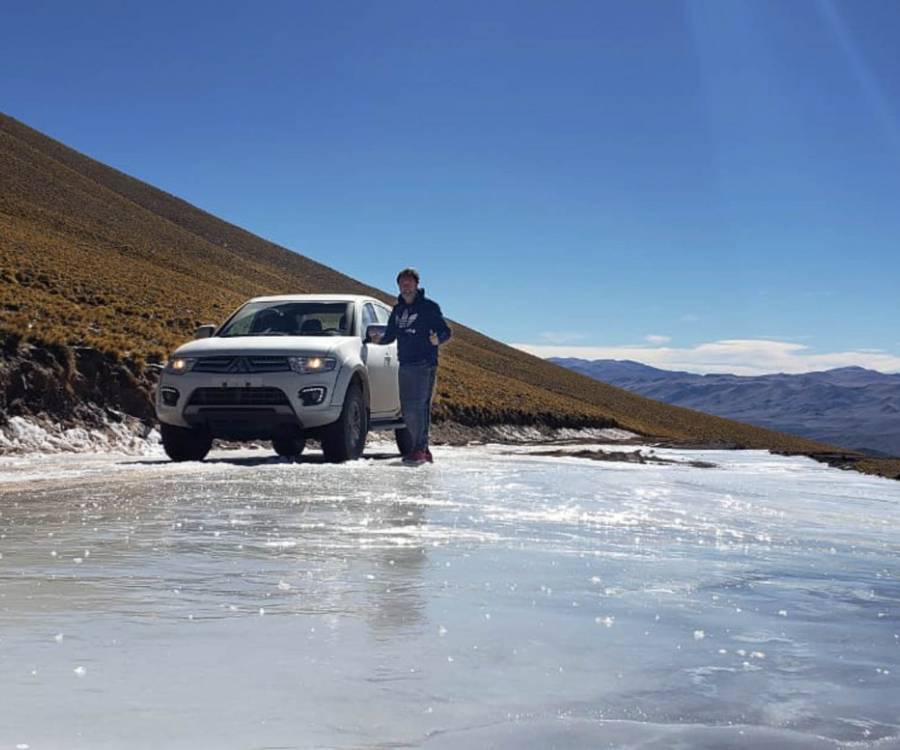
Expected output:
(411, 326)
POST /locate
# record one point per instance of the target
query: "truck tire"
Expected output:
(184, 444)
(404, 441)
(345, 439)
(289, 447)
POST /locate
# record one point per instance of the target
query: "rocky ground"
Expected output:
(72, 385)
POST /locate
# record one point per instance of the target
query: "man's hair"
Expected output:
(409, 271)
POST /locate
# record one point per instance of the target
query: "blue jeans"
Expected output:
(416, 389)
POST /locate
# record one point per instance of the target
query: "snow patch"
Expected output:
(593, 433)
(528, 434)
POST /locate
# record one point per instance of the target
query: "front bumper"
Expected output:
(245, 407)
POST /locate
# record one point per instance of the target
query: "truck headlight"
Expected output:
(308, 365)
(180, 365)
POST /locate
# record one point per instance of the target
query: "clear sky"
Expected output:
(704, 185)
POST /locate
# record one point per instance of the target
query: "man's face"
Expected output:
(408, 285)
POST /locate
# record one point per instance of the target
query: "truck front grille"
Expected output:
(226, 364)
(238, 397)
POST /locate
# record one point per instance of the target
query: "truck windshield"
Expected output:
(290, 319)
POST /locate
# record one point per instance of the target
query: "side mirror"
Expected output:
(205, 331)
(374, 329)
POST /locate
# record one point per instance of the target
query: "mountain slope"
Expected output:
(90, 257)
(848, 406)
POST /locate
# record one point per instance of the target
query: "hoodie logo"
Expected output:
(406, 320)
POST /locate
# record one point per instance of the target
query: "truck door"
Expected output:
(383, 314)
(381, 362)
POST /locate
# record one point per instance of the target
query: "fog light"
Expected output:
(313, 395)
(170, 396)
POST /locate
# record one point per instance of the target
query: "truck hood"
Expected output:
(242, 346)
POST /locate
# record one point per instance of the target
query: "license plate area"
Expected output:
(242, 382)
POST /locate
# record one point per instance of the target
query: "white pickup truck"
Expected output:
(284, 369)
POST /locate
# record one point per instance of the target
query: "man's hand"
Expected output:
(376, 338)
(433, 338)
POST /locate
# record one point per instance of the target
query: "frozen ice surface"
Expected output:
(495, 599)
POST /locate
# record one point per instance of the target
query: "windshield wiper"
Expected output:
(284, 333)
(267, 333)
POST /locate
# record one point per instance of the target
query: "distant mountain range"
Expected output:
(849, 406)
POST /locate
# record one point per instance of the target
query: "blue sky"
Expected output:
(630, 179)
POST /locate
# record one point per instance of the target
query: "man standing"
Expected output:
(419, 328)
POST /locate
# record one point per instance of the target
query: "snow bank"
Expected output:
(21, 436)
(129, 436)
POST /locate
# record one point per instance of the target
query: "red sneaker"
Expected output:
(416, 458)
(428, 456)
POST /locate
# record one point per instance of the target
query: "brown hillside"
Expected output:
(92, 257)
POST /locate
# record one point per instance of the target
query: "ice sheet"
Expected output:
(495, 599)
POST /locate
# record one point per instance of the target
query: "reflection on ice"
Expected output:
(491, 600)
